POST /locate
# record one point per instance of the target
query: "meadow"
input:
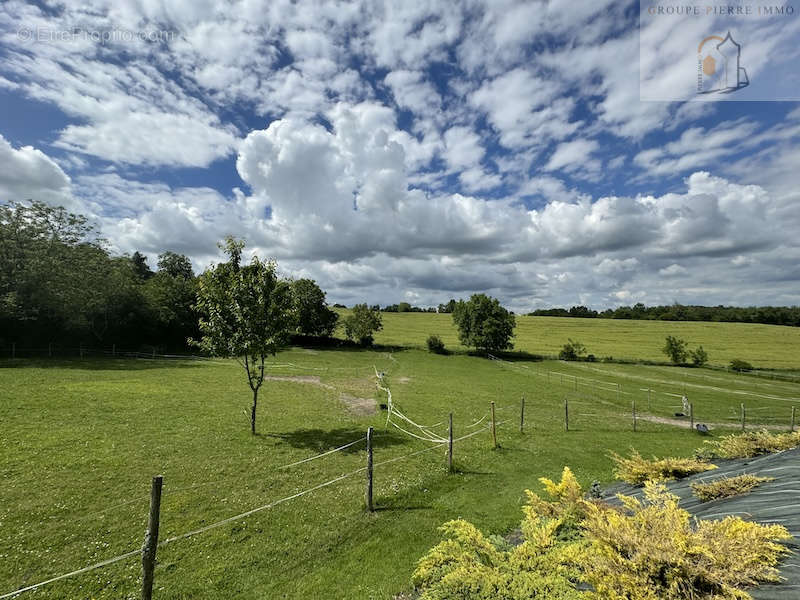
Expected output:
(764, 346)
(82, 438)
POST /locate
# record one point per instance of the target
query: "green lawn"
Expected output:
(81, 440)
(764, 346)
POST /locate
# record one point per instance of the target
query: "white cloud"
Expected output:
(27, 173)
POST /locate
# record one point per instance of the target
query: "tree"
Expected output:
(362, 323)
(572, 350)
(699, 356)
(245, 312)
(676, 349)
(175, 265)
(403, 307)
(140, 266)
(484, 324)
(312, 315)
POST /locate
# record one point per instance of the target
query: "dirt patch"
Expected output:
(403, 379)
(361, 407)
(309, 379)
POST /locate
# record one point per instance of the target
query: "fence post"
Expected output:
(450, 446)
(494, 430)
(743, 416)
(522, 415)
(566, 414)
(691, 416)
(151, 539)
(154, 352)
(369, 470)
(633, 406)
(791, 427)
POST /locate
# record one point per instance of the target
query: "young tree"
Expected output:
(175, 265)
(313, 317)
(484, 324)
(362, 323)
(676, 349)
(699, 356)
(572, 350)
(246, 312)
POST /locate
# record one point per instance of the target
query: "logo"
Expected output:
(718, 66)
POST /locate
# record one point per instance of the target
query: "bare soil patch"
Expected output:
(361, 407)
(310, 379)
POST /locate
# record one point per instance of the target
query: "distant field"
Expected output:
(764, 346)
(82, 438)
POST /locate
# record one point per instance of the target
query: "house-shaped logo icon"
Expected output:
(718, 66)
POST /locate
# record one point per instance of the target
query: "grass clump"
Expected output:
(637, 470)
(646, 550)
(727, 487)
(749, 444)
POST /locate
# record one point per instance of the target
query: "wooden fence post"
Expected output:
(633, 407)
(743, 416)
(151, 539)
(522, 415)
(450, 446)
(691, 416)
(566, 414)
(369, 470)
(494, 430)
(791, 427)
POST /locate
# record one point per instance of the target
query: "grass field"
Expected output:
(764, 346)
(81, 440)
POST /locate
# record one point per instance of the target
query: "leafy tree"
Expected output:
(313, 317)
(449, 307)
(362, 323)
(676, 349)
(140, 266)
(175, 265)
(246, 312)
(572, 350)
(403, 307)
(699, 356)
(483, 324)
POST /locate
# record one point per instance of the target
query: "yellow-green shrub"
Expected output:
(646, 550)
(637, 470)
(654, 553)
(727, 487)
(749, 444)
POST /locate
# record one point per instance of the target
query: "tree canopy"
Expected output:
(484, 324)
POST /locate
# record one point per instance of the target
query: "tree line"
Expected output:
(771, 315)
(60, 284)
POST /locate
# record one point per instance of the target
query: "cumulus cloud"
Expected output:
(27, 173)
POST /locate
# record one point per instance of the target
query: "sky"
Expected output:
(410, 151)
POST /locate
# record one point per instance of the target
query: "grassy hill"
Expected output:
(764, 346)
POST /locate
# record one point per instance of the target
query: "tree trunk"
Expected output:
(253, 412)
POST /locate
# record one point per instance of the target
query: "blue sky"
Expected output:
(407, 151)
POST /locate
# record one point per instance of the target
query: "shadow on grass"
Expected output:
(323, 440)
(100, 364)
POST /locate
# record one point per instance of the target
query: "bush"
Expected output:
(638, 470)
(572, 350)
(657, 552)
(749, 444)
(727, 487)
(435, 344)
(699, 357)
(741, 365)
(648, 550)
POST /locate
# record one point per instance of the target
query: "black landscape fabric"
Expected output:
(772, 502)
